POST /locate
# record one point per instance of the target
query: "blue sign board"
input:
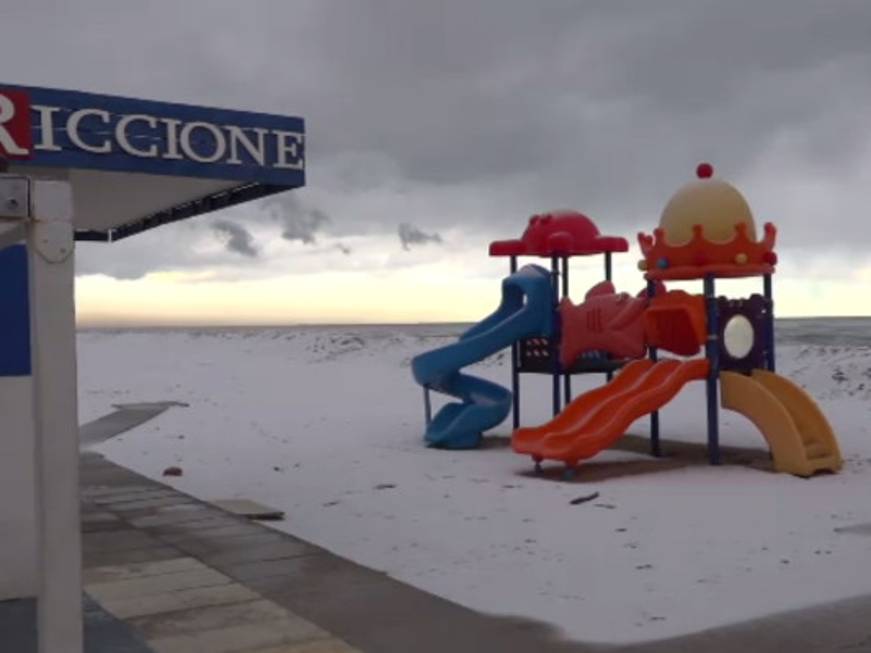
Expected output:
(14, 312)
(48, 128)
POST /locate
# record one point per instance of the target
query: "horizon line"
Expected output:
(288, 325)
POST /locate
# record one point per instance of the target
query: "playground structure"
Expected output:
(706, 232)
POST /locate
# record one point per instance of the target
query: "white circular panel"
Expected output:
(738, 336)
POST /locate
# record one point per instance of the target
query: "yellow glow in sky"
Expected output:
(328, 297)
(431, 293)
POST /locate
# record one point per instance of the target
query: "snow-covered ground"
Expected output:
(326, 424)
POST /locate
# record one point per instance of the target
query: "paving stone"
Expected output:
(218, 530)
(125, 608)
(117, 478)
(98, 492)
(124, 495)
(209, 546)
(111, 573)
(91, 469)
(257, 569)
(91, 559)
(208, 618)
(160, 584)
(163, 517)
(183, 530)
(204, 521)
(117, 541)
(149, 502)
(248, 508)
(103, 526)
(233, 639)
(288, 548)
(318, 646)
(98, 516)
(323, 576)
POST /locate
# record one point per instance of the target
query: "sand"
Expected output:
(326, 425)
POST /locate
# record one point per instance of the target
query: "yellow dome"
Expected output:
(712, 203)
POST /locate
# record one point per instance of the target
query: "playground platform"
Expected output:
(165, 572)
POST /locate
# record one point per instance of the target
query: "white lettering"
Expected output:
(7, 113)
(238, 136)
(73, 130)
(124, 140)
(171, 138)
(46, 128)
(284, 148)
(146, 136)
(191, 153)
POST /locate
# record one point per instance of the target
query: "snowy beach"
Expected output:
(326, 424)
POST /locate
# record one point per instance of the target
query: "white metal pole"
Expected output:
(52, 308)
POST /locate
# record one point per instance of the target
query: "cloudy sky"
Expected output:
(434, 127)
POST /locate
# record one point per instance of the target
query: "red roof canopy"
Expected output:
(559, 233)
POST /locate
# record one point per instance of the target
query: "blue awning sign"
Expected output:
(46, 129)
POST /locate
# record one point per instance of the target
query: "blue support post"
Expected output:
(515, 373)
(554, 348)
(769, 322)
(15, 353)
(567, 377)
(654, 416)
(427, 405)
(712, 352)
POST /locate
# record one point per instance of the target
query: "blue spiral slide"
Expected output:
(526, 310)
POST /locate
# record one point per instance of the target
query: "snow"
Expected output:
(326, 424)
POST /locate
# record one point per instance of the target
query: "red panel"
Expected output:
(605, 321)
(16, 139)
(676, 322)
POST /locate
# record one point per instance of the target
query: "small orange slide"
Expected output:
(596, 419)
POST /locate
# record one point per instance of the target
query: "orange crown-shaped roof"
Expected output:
(739, 257)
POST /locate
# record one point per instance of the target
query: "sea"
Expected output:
(824, 331)
(818, 331)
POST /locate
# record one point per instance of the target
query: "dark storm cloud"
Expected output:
(603, 105)
(410, 235)
(236, 238)
(328, 249)
(298, 221)
(304, 226)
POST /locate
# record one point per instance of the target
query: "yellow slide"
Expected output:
(799, 435)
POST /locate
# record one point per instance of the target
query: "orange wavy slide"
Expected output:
(596, 419)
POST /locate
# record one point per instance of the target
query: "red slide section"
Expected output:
(596, 419)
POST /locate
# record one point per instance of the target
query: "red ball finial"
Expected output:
(704, 171)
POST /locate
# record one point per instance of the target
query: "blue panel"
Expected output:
(158, 127)
(14, 312)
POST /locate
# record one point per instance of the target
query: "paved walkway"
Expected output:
(173, 569)
(187, 576)
(123, 418)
